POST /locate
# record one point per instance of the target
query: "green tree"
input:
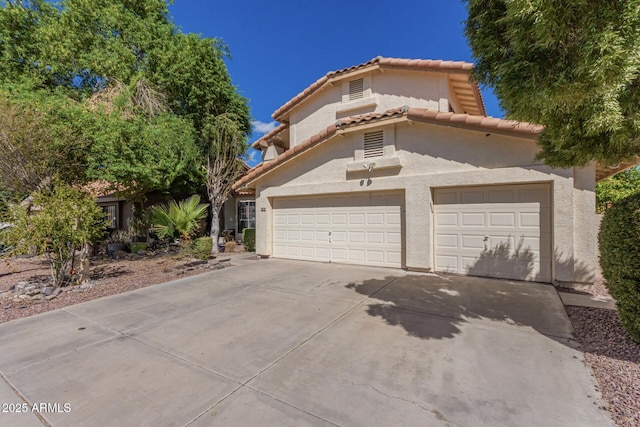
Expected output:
(219, 114)
(64, 222)
(571, 66)
(82, 45)
(21, 40)
(206, 91)
(139, 153)
(616, 188)
(167, 86)
(41, 136)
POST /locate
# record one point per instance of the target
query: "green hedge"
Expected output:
(249, 239)
(201, 247)
(619, 241)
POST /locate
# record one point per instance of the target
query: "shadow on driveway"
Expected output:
(461, 299)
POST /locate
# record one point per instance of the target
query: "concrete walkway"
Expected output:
(591, 301)
(286, 343)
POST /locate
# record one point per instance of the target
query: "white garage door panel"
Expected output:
(363, 229)
(497, 231)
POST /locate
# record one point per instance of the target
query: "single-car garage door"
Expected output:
(361, 228)
(494, 231)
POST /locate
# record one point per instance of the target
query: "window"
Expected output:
(111, 216)
(373, 144)
(356, 89)
(246, 214)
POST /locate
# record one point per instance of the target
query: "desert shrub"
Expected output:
(230, 247)
(201, 247)
(619, 241)
(65, 220)
(249, 239)
(181, 218)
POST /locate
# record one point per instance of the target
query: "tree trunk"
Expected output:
(215, 227)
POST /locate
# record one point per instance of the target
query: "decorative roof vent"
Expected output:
(356, 89)
(373, 144)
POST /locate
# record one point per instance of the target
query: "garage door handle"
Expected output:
(485, 238)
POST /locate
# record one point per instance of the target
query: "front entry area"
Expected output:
(354, 228)
(494, 231)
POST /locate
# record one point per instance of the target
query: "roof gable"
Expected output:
(466, 92)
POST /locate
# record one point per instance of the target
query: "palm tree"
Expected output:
(181, 217)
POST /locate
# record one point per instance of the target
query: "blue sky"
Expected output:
(280, 47)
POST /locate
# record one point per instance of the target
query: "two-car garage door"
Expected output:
(362, 228)
(496, 231)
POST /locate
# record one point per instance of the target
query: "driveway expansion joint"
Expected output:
(435, 412)
(17, 392)
(291, 350)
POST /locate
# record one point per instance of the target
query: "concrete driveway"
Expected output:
(276, 342)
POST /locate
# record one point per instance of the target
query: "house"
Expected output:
(239, 211)
(118, 211)
(394, 163)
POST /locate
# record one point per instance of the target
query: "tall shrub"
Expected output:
(249, 239)
(63, 221)
(619, 241)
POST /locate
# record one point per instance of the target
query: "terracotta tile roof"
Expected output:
(369, 117)
(483, 123)
(246, 192)
(268, 136)
(409, 64)
(101, 188)
(469, 121)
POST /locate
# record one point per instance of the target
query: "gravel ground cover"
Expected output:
(108, 277)
(614, 358)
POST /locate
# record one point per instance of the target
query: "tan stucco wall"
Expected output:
(435, 156)
(382, 91)
(396, 88)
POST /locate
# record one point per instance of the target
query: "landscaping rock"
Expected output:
(48, 290)
(20, 286)
(37, 297)
(120, 254)
(111, 276)
(87, 285)
(23, 297)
